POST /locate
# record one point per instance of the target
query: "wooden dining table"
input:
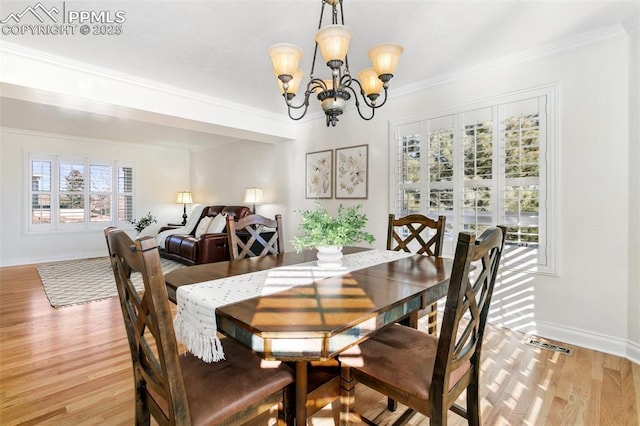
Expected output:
(316, 322)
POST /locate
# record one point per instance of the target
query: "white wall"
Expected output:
(220, 175)
(634, 195)
(160, 174)
(586, 303)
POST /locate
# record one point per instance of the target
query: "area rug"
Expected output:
(86, 280)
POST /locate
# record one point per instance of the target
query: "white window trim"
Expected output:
(87, 226)
(549, 202)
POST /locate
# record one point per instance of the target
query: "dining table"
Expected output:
(316, 321)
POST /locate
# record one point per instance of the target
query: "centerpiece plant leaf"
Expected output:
(143, 222)
(321, 229)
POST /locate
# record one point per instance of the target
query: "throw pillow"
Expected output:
(203, 225)
(217, 224)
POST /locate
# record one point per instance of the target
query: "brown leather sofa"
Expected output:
(208, 248)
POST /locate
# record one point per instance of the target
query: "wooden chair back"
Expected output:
(248, 235)
(412, 230)
(429, 373)
(417, 226)
(460, 340)
(182, 389)
(160, 390)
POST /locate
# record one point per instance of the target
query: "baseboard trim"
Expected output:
(61, 258)
(590, 340)
(633, 351)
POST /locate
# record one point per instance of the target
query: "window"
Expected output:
(486, 164)
(78, 194)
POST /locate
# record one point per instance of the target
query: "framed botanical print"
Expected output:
(352, 172)
(319, 174)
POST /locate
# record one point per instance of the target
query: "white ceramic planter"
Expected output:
(329, 256)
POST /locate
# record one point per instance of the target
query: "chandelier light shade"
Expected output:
(385, 57)
(371, 84)
(333, 41)
(334, 92)
(285, 57)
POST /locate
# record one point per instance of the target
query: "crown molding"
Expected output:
(84, 139)
(550, 49)
(632, 27)
(11, 48)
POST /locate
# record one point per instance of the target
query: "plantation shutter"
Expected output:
(125, 193)
(40, 194)
(100, 192)
(481, 166)
(407, 169)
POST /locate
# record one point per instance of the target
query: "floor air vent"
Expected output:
(549, 346)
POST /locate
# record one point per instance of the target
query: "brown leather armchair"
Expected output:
(208, 248)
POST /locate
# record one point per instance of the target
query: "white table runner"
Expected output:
(195, 322)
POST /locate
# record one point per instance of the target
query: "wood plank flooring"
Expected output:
(71, 366)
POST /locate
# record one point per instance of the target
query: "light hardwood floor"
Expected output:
(71, 366)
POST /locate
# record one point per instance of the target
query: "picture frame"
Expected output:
(319, 174)
(352, 172)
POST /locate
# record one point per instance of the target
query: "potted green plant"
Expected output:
(328, 234)
(143, 222)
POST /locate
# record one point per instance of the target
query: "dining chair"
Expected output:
(323, 377)
(248, 236)
(180, 389)
(411, 234)
(428, 373)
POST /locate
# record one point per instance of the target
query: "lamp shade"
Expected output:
(184, 198)
(285, 58)
(333, 41)
(253, 195)
(294, 84)
(384, 57)
(370, 82)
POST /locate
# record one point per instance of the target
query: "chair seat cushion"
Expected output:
(402, 357)
(216, 390)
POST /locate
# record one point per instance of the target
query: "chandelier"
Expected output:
(334, 92)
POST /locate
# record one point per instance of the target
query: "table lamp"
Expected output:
(184, 198)
(253, 195)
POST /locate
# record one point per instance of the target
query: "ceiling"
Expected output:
(219, 48)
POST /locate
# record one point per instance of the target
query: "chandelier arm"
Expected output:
(305, 105)
(346, 67)
(346, 79)
(311, 86)
(384, 101)
(357, 102)
(288, 98)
